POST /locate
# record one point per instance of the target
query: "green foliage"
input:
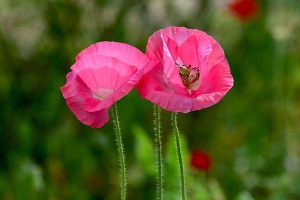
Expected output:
(144, 150)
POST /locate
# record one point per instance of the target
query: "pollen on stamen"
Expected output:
(188, 75)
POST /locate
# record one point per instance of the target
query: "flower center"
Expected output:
(188, 74)
(102, 93)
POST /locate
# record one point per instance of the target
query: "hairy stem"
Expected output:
(120, 151)
(179, 154)
(158, 147)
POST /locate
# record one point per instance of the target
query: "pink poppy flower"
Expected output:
(102, 74)
(192, 72)
(200, 160)
(244, 9)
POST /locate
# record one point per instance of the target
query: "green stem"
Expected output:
(158, 152)
(179, 154)
(120, 150)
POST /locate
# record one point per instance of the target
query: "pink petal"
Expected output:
(121, 51)
(219, 80)
(172, 36)
(165, 49)
(75, 92)
(217, 54)
(178, 34)
(158, 94)
(101, 73)
(163, 85)
(155, 45)
(127, 84)
(204, 50)
(170, 56)
(188, 52)
(216, 57)
(99, 61)
(170, 47)
(195, 51)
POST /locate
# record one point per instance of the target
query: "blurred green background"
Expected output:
(253, 134)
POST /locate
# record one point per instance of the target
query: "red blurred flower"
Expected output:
(102, 74)
(192, 72)
(200, 160)
(244, 9)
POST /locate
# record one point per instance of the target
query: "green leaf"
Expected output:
(144, 150)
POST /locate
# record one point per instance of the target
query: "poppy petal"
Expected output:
(73, 92)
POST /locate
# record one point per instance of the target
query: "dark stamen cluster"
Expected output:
(188, 74)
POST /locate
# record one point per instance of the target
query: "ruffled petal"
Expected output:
(217, 54)
(75, 92)
(204, 50)
(127, 84)
(188, 52)
(155, 45)
(170, 47)
(121, 51)
(219, 80)
(217, 62)
(170, 56)
(165, 49)
(160, 95)
(103, 72)
(163, 85)
(99, 61)
(178, 34)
